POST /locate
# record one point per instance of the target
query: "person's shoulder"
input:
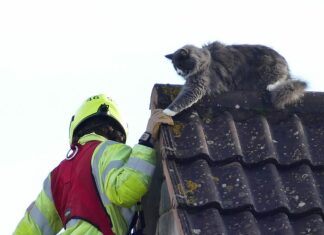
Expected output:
(116, 144)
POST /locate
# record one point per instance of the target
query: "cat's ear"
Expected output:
(169, 56)
(184, 53)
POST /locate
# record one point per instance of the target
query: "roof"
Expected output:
(234, 165)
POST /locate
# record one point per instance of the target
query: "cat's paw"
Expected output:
(169, 112)
(273, 86)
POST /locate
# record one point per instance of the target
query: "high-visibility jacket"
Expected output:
(122, 175)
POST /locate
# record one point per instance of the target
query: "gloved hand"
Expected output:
(157, 118)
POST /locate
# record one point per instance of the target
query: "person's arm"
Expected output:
(127, 172)
(41, 217)
(126, 185)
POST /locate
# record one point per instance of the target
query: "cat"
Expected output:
(216, 68)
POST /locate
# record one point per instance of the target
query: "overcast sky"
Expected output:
(54, 54)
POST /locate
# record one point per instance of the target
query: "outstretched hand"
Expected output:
(156, 119)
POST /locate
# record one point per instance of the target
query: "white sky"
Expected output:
(54, 54)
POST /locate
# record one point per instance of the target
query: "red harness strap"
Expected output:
(74, 190)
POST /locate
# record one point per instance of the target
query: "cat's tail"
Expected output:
(286, 92)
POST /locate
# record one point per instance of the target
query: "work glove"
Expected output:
(157, 118)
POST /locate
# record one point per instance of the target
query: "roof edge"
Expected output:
(313, 102)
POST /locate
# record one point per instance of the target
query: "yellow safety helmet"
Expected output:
(98, 105)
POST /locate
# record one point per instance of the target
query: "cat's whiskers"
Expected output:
(180, 72)
(183, 74)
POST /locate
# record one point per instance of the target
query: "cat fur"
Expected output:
(216, 68)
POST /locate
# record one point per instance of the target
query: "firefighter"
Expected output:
(96, 188)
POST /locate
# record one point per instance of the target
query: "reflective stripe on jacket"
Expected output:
(122, 175)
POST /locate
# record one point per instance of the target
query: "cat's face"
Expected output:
(182, 61)
(188, 60)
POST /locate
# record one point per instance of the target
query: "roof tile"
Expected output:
(212, 222)
(237, 166)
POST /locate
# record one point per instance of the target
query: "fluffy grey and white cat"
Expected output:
(216, 68)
